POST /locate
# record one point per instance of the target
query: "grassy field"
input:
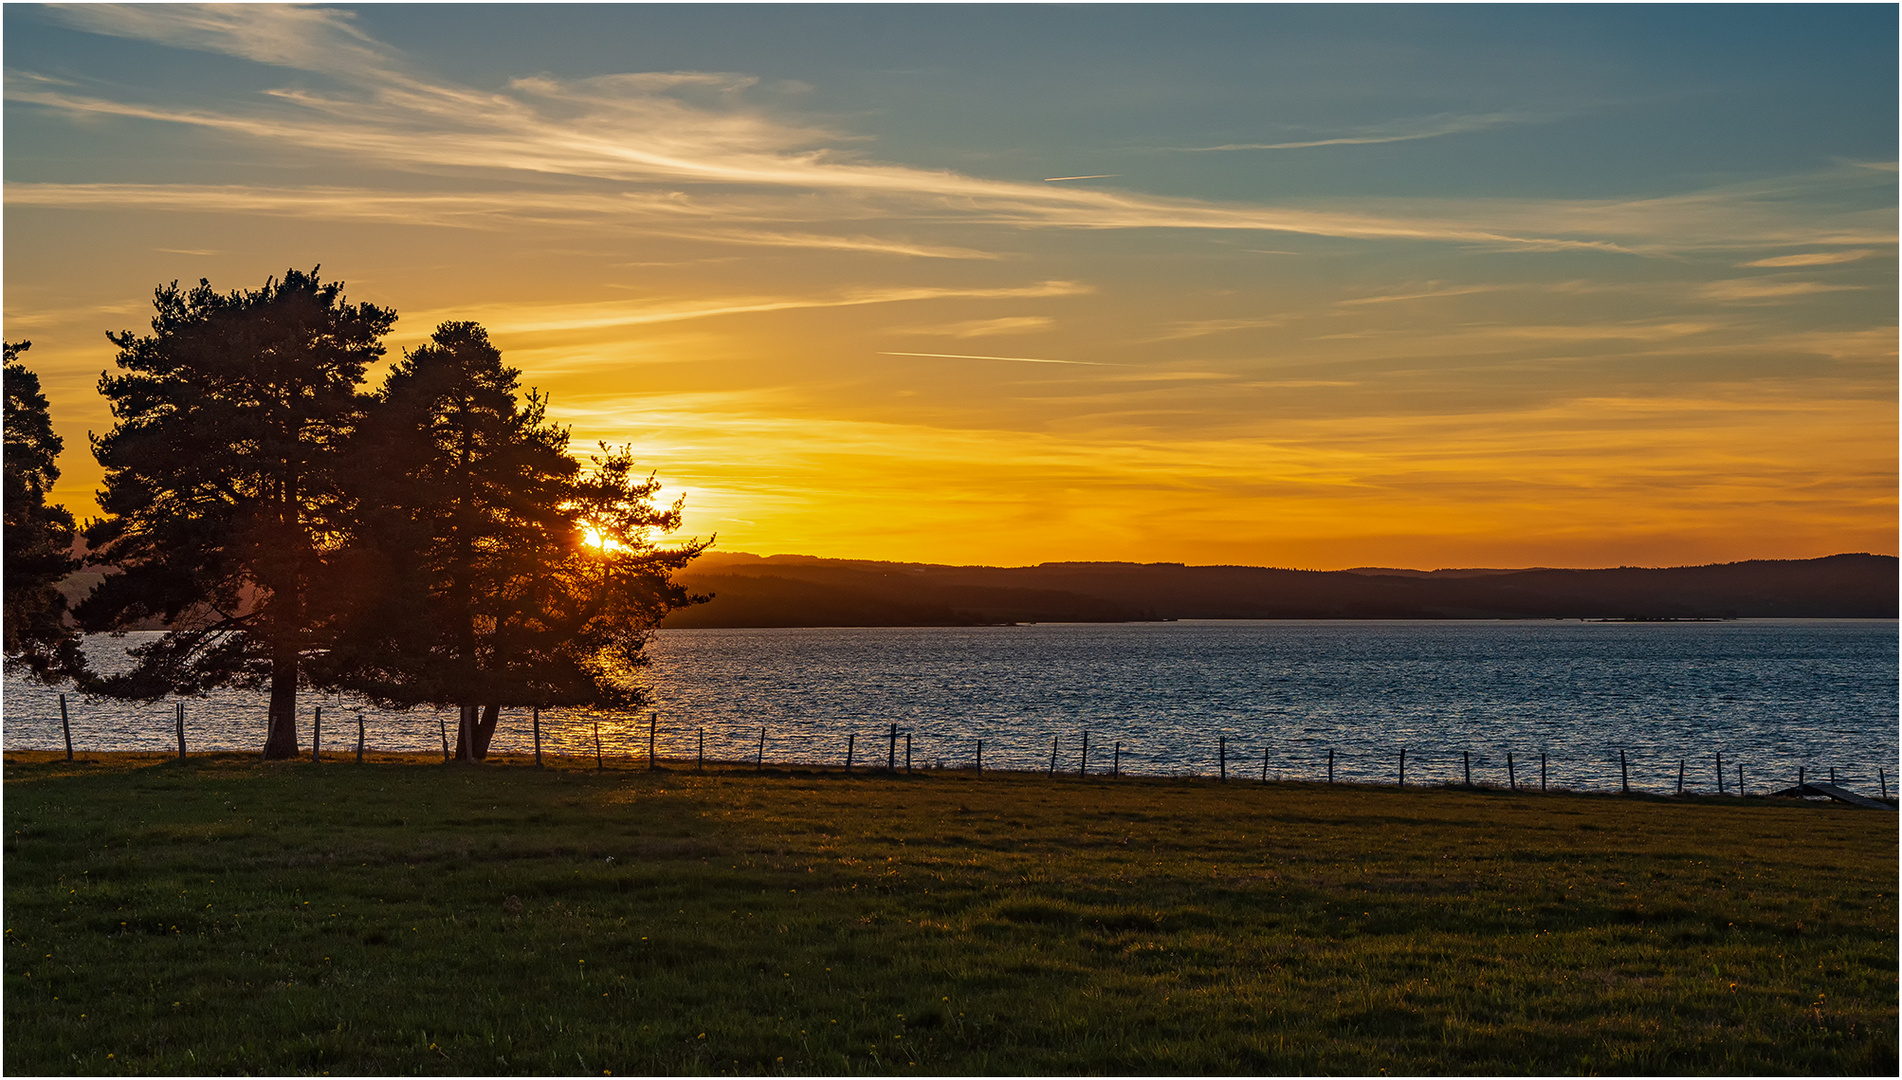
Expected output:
(221, 915)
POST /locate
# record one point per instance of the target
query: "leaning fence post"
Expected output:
(599, 764)
(1624, 777)
(536, 721)
(653, 721)
(1467, 757)
(851, 741)
(360, 740)
(1512, 777)
(316, 732)
(1222, 755)
(66, 727)
(1053, 756)
(1884, 776)
(1264, 764)
(181, 731)
(759, 761)
(1680, 776)
(891, 752)
(1083, 759)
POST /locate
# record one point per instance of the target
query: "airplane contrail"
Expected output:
(1095, 176)
(1018, 359)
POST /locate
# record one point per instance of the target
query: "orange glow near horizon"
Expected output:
(846, 322)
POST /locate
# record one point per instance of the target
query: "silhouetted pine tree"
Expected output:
(223, 502)
(470, 546)
(38, 538)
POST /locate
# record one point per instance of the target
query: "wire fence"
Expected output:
(647, 741)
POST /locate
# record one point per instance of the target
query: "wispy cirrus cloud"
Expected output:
(973, 328)
(1013, 359)
(1428, 127)
(1814, 258)
(702, 129)
(534, 318)
(1755, 290)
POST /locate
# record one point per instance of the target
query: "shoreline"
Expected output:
(720, 770)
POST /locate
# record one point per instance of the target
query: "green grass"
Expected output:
(403, 917)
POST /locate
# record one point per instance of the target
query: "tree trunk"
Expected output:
(280, 741)
(465, 734)
(485, 730)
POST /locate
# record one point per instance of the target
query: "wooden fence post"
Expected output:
(1467, 757)
(1116, 763)
(907, 753)
(360, 738)
(1330, 764)
(1680, 776)
(851, 741)
(1403, 766)
(1624, 777)
(1512, 777)
(980, 757)
(181, 731)
(1221, 751)
(1799, 776)
(1884, 776)
(891, 752)
(759, 761)
(1083, 760)
(653, 721)
(1541, 770)
(599, 764)
(1720, 774)
(1053, 756)
(536, 721)
(316, 732)
(1740, 787)
(66, 727)
(702, 764)
(1264, 764)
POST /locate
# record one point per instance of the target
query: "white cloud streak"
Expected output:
(527, 318)
(1015, 359)
(642, 132)
(1431, 127)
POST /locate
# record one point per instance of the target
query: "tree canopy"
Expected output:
(39, 537)
(222, 498)
(432, 543)
(473, 526)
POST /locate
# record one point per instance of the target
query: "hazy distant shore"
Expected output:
(796, 590)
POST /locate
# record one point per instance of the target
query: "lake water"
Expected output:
(1771, 695)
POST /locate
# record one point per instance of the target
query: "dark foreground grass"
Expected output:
(401, 917)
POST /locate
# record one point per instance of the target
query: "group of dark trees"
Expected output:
(429, 543)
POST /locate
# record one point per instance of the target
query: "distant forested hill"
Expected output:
(793, 590)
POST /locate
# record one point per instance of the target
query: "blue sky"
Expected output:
(1488, 285)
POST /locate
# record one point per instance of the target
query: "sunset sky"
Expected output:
(1309, 287)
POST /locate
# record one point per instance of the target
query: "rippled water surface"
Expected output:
(1770, 695)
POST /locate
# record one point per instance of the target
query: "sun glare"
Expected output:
(602, 544)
